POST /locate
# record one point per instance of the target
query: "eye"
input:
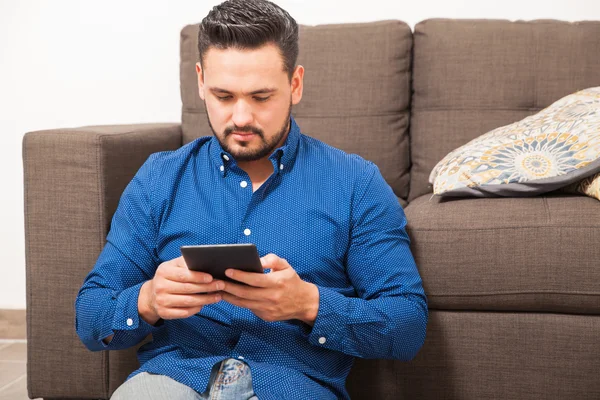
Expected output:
(223, 98)
(261, 99)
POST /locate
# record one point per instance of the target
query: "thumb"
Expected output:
(180, 262)
(273, 262)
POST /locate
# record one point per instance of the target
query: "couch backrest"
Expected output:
(356, 92)
(470, 76)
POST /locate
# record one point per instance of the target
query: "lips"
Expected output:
(243, 136)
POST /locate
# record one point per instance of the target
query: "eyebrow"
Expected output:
(254, 92)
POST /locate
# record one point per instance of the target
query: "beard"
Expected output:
(245, 151)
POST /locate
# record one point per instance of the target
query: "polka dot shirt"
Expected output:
(329, 214)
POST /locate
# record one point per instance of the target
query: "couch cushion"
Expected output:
(512, 254)
(356, 92)
(471, 76)
(490, 355)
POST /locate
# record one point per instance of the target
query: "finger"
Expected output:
(244, 291)
(249, 278)
(177, 271)
(179, 313)
(187, 300)
(196, 275)
(172, 287)
(274, 263)
(180, 262)
(236, 301)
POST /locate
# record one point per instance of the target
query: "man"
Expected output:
(341, 280)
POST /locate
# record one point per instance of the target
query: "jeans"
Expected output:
(230, 381)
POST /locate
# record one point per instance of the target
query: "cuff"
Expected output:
(328, 329)
(127, 318)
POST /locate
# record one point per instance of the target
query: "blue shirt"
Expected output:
(329, 214)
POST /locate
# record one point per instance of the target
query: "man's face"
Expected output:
(248, 98)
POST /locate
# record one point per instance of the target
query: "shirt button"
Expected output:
(243, 184)
(240, 358)
(222, 168)
(280, 166)
(225, 157)
(322, 340)
(129, 322)
(247, 232)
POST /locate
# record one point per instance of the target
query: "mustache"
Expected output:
(247, 128)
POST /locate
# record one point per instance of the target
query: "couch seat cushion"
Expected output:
(509, 254)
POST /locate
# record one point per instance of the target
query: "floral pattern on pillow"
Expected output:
(558, 146)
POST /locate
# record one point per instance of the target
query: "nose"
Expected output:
(242, 114)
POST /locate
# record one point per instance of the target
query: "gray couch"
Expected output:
(513, 283)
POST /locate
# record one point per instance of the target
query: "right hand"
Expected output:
(176, 292)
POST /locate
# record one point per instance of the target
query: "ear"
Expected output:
(297, 84)
(200, 80)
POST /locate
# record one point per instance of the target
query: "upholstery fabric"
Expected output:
(491, 355)
(472, 76)
(356, 92)
(73, 181)
(512, 254)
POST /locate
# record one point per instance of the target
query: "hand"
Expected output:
(176, 292)
(276, 296)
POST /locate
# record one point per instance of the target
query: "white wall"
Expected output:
(68, 63)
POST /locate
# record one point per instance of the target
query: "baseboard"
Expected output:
(12, 324)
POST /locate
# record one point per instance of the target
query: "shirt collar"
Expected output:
(282, 158)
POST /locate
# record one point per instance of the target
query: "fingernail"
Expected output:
(220, 285)
(229, 273)
(207, 278)
(218, 297)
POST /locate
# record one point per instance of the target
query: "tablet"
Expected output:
(214, 259)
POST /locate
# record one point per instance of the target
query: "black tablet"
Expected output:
(214, 259)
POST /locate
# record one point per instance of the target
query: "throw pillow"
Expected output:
(589, 186)
(558, 146)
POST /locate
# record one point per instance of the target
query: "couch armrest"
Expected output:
(73, 182)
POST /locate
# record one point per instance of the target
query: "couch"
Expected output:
(513, 284)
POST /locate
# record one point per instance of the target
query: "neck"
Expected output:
(258, 171)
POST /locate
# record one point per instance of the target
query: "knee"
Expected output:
(128, 389)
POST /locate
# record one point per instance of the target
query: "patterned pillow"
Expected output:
(556, 147)
(589, 186)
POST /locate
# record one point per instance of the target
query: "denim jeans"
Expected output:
(229, 380)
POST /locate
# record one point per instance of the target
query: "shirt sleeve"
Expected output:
(107, 302)
(388, 318)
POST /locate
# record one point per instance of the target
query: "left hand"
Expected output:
(276, 296)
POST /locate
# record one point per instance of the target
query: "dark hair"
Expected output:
(250, 24)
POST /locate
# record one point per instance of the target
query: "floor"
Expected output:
(13, 374)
